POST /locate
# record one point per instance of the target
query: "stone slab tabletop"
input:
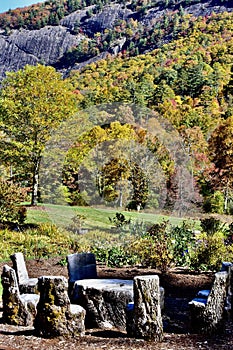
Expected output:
(106, 284)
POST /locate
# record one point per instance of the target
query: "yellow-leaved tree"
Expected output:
(33, 103)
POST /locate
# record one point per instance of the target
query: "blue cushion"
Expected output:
(203, 293)
(130, 306)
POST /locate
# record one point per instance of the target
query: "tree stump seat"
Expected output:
(56, 316)
(26, 284)
(18, 309)
(143, 315)
(207, 309)
(104, 300)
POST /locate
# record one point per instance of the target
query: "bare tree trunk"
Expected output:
(226, 199)
(35, 183)
(121, 198)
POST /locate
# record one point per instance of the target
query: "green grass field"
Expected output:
(95, 218)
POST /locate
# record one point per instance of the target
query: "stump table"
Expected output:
(104, 300)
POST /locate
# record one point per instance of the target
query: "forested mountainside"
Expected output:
(173, 57)
(189, 82)
(68, 34)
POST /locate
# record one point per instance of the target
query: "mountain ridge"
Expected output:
(87, 35)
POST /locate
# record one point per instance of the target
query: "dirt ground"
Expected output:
(179, 285)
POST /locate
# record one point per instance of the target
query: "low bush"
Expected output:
(149, 254)
(114, 256)
(183, 241)
(211, 225)
(138, 228)
(119, 221)
(208, 253)
(10, 198)
(212, 246)
(164, 245)
(43, 241)
(214, 203)
(154, 248)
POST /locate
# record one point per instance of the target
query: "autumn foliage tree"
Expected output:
(117, 164)
(33, 103)
(221, 153)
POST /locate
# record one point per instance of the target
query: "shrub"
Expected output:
(183, 240)
(155, 247)
(10, 198)
(212, 225)
(229, 253)
(138, 228)
(114, 256)
(208, 253)
(230, 207)
(50, 240)
(119, 221)
(229, 235)
(164, 245)
(45, 240)
(214, 203)
(212, 246)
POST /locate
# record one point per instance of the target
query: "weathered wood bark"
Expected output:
(55, 315)
(228, 267)
(147, 309)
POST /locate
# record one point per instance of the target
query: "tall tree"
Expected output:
(221, 153)
(33, 102)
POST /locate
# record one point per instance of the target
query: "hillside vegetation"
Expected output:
(188, 82)
(73, 33)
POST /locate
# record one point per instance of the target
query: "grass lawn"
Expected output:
(94, 218)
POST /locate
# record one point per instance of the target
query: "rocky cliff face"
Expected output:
(105, 19)
(46, 45)
(49, 44)
(205, 8)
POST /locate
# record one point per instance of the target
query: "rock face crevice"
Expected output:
(50, 45)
